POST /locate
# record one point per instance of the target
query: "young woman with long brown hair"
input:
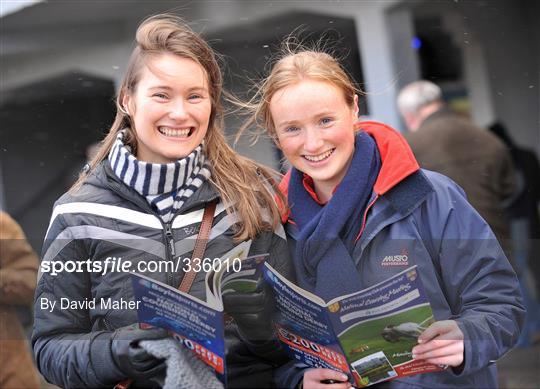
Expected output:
(163, 161)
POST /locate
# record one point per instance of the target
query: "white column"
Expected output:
(377, 64)
(476, 78)
(475, 72)
(405, 57)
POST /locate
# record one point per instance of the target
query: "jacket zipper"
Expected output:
(169, 247)
(170, 251)
(364, 218)
(169, 240)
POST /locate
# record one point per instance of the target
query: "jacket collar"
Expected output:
(397, 159)
(397, 163)
(441, 113)
(104, 177)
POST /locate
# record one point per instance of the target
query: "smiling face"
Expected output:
(170, 108)
(315, 130)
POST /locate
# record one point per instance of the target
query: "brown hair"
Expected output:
(295, 63)
(240, 181)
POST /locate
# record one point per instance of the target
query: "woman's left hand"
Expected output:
(441, 344)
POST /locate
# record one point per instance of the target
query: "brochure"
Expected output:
(198, 324)
(368, 335)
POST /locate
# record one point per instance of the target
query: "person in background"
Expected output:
(356, 194)
(450, 144)
(164, 161)
(524, 213)
(18, 273)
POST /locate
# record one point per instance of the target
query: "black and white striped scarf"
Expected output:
(165, 186)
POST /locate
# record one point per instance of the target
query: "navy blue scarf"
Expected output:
(327, 234)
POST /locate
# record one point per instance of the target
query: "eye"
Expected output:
(326, 121)
(160, 96)
(291, 129)
(195, 96)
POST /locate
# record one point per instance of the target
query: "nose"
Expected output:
(312, 140)
(178, 110)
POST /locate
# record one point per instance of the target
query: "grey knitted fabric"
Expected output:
(184, 369)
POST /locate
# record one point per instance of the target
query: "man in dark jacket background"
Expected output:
(448, 143)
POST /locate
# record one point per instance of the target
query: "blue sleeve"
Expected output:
(478, 281)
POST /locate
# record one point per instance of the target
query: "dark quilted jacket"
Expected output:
(105, 218)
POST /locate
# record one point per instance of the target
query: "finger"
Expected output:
(434, 344)
(139, 355)
(446, 329)
(455, 348)
(326, 374)
(440, 341)
(320, 385)
(313, 379)
(132, 334)
(453, 360)
(436, 329)
(153, 333)
(344, 385)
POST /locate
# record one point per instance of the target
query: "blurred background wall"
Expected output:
(62, 60)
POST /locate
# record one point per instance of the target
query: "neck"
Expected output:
(427, 111)
(324, 192)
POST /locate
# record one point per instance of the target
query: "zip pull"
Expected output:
(170, 240)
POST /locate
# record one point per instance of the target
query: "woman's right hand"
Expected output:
(313, 379)
(132, 360)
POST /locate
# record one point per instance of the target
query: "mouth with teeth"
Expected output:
(175, 133)
(319, 157)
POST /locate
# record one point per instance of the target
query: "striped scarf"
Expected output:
(165, 186)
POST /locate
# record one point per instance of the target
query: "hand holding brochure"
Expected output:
(199, 324)
(368, 335)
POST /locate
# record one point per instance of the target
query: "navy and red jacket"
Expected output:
(426, 217)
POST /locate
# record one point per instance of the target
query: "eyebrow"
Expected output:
(287, 123)
(318, 115)
(166, 87)
(325, 113)
(160, 87)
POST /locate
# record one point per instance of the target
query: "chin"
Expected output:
(175, 158)
(175, 155)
